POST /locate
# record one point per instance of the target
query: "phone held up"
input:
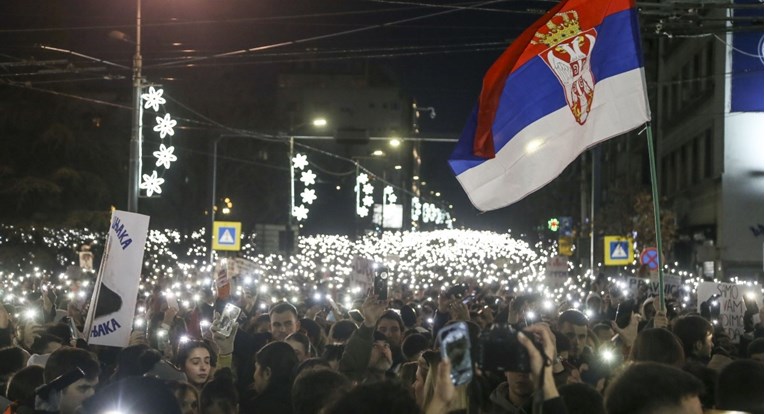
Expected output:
(356, 315)
(454, 342)
(228, 318)
(381, 283)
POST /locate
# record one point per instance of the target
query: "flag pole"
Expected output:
(657, 219)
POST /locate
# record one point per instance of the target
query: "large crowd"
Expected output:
(524, 353)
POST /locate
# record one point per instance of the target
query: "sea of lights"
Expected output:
(419, 262)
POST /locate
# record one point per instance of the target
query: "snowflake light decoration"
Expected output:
(165, 156)
(152, 184)
(362, 211)
(165, 126)
(300, 212)
(368, 201)
(153, 99)
(362, 178)
(391, 199)
(308, 178)
(308, 196)
(368, 189)
(300, 161)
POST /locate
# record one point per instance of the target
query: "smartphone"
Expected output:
(381, 284)
(454, 342)
(228, 318)
(356, 316)
(624, 313)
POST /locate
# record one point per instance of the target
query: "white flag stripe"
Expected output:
(620, 105)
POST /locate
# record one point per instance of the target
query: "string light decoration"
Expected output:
(365, 187)
(308, 195)
(152, 183)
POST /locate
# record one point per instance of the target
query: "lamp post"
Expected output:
(134, 166)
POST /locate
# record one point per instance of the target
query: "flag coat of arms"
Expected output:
(571, 80)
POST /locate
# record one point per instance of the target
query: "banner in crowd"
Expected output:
(112, 306)
(727, 304)
(672, 286)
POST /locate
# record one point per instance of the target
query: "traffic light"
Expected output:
(553, 224)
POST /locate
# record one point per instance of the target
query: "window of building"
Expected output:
(708, 154)
(696, 172)
(681, 169)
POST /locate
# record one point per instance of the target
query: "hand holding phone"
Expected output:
(224, 325)
(454, 343)
(381, 284)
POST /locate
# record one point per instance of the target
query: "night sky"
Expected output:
(437, 60)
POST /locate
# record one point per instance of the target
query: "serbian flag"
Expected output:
(571, 80)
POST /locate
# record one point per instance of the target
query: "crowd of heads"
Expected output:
(385, 355)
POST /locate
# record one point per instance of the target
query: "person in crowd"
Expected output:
(284, 321)
(301, 344)
(316, 388)
(21, 389)
(658, 345)
(604, 332)
(258, 324)
(69, 399)
(582, 399)
(413, 345)
(391, 325)
(128, 362)
(573, 325)
(219, 396)
(755, 350)
(12, 359)
(186, 395)
(739, 387)
(315, 333)
(367, 355)
(382, 397)
(653, 388)
(341, 331)
(312, 363)
(272, 381)
(197, 359)
(522, 390)
(133, 395)
(695, 333)
(42, 346)
(332, 354)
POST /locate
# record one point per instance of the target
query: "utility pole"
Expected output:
(134, 166)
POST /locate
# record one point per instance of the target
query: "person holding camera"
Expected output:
(531, 385)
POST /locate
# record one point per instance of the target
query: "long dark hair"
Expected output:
(280, 358)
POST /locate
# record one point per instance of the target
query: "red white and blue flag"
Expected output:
(571, 80)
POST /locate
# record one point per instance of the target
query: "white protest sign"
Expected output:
(727, 304)
(672, 285)
(362, 273)
(112, 306)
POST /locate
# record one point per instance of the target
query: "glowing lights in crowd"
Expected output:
(419, 262)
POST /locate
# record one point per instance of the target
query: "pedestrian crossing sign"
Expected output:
(618, 251)
(227, 235)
